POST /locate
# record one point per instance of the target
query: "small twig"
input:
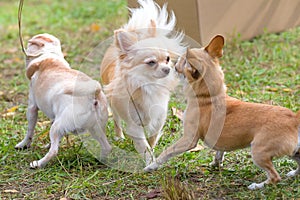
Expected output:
(63, 167)
(140, 118)
(137, 111)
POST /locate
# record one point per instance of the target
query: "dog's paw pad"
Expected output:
(255, 186)
(34, 164)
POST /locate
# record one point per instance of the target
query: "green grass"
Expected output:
(265, 69)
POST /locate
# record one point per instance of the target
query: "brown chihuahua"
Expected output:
(226, 123)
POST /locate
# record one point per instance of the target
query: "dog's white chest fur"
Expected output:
(146, 107)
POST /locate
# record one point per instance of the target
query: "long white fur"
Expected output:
(140, 21)
(130, 76)
(148, 11)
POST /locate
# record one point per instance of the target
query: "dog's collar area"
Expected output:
(30, 59)
(33, 56)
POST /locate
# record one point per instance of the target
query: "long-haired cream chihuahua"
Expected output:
(226, 123)
(72, 100)
(139, 74)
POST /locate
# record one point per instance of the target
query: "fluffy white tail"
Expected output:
(150, 18)
(149, 10)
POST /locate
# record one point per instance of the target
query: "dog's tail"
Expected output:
(84, 88)
(151, 20)
(151, 16)
(149, 10)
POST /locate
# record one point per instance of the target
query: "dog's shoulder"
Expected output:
(45, 64)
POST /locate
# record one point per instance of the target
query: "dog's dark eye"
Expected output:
(168, 59)
(196, 74)
(151, 63)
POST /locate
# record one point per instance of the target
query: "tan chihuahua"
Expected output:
(226, 123)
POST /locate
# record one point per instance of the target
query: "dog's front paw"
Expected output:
(255, 186)
(153, 166)
(35, 164)
(215, 164)
(22, 145)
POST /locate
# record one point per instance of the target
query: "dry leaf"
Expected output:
(43, 135)
(177, 113)
(94, 27)
(17, 60)
(287, 90)
(10, 114)
(10, 191)
(44, 123)
(271, 89)
(12, 109)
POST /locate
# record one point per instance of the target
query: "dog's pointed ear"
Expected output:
(152, 28)
(190, 53)
(180, 64)
(215, 47)
(124, 39)
(189, 65)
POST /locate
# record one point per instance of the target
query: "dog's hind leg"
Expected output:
(263, 160)
(32, 114)
(98, 133)
(218, 159)
(55, 136)
(295, 172)
(118, 127)
(296, 157)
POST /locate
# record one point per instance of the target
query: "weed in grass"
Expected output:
(174, 189)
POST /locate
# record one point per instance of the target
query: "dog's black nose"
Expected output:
(166, 70)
